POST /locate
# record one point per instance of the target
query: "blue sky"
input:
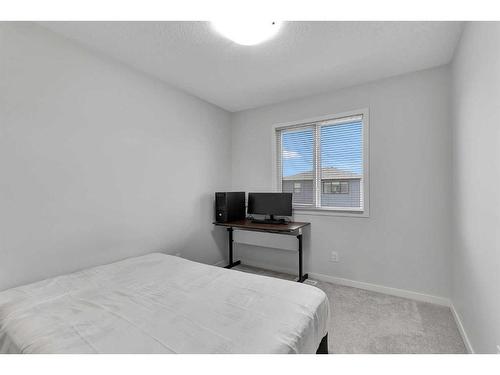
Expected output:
(341, 147)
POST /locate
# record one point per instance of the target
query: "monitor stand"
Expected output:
(271, 220)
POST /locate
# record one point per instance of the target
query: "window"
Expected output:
(297, 188)
(323, 163)
(335, 187)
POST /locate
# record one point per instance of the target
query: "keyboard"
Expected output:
(263, 221)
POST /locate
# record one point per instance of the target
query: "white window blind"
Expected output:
(326, 160)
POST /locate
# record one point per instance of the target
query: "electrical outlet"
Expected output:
(334, 256)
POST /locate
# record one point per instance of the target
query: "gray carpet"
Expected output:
(369, 322)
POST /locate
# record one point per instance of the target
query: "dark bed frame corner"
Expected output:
(323, 346)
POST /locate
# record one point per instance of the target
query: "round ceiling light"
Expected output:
(247, 33)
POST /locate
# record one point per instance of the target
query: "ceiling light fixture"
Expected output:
(247, 33)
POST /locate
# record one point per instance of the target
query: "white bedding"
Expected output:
(162, 304)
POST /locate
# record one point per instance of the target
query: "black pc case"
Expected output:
(229, 206)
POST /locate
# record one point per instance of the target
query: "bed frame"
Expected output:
(323, 346)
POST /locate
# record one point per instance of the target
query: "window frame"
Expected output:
(312, 122)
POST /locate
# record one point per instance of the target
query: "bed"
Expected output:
(159, 303)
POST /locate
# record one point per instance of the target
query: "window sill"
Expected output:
(329, 212)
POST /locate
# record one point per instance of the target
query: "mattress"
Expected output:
(162, 304)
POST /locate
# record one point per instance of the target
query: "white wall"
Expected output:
(99, 162)
(406, 241)
(476, 178)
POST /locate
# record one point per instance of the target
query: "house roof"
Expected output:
(326, 174)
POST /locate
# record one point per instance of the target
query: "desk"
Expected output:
(291, 229)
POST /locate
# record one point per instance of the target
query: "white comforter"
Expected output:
(162, 304)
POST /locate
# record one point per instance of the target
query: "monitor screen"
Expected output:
(279, 204)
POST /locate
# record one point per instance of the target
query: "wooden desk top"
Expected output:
(247, 224)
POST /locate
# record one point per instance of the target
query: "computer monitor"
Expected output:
(279, 204)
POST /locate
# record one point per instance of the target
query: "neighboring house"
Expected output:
(338, 188)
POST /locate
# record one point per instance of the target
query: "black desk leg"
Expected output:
(231, 263)
(301, 276)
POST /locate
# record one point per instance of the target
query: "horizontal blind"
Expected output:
(322, 163)
(296, 164)
(341, 150)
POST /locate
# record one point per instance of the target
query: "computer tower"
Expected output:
(229, 206)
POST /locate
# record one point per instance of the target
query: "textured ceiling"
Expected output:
(305, 58)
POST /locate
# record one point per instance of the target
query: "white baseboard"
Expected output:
(461, 329)
(443, 301)
(422, 297)
(221, 263)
